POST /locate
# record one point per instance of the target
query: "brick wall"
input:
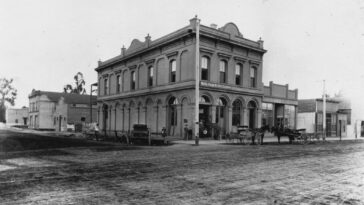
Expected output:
(76, 113)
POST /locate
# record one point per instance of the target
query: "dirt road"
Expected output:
(324, 173)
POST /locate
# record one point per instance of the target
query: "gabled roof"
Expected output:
(69, 98)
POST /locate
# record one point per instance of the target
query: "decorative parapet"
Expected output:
(280, 91)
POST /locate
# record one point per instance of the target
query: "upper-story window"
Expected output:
(205, 68)
(253, 77)
(223, 65)
(118, 83)
(173, 68)
(106, 86)
(150, 76)
(238, 72)
(132, 80)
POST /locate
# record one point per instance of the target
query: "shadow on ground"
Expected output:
(14, 141)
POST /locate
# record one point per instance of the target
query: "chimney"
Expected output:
(261, 42)
(148, 40)
(214, 26)
(123, 51)
(193, 22)
(99, 62)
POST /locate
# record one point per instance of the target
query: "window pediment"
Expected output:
(207, 51)
(132, 67)
(172, 54)
(224, 55)
(150, 61)
(243, 60)
(253, 62)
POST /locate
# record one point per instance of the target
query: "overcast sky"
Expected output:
(44, 43)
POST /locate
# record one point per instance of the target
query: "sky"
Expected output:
(44, 43)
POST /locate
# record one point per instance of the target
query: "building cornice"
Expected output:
(183, 32)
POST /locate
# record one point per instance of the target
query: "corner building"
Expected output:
(153, 82)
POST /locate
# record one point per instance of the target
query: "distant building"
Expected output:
(54, 111)
(153, 83)
(17, 116)
(310, 117)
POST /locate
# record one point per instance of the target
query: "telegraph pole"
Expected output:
(197, 79)
(324, 113)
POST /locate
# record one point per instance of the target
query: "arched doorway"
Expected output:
(205, 116)
(187, 123)
(160, 120)
(237, 115)
(252, 114)
(172, 116)
(133, 115)
(105, 117)
(150, 116)
(221, 114)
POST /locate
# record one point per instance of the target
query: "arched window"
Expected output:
(106, 86)
(236, 112)
(220, 108)
(132, 81)
(223, 65)
(172, 68)
(173, 111)
(204, 99)
(253, 77)
(150, 76)
(238, 72)
(118, 83)
(205, 64)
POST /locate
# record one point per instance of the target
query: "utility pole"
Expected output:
(91, 91)
(324, 113)
(197, 79)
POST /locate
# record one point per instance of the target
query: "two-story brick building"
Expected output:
(153, 82)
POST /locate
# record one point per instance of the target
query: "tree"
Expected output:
(7, 95)
(79, 87)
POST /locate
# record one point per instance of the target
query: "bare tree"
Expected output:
(79, 87)
(7, 95)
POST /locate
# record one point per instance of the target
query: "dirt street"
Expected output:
(101, 173)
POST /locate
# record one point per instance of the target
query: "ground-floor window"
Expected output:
(173, 111)
(236, 113)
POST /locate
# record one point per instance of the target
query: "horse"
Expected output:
(259, 134)
(280, 132)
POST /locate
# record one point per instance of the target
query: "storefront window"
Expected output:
(289, 115)
(267, 114)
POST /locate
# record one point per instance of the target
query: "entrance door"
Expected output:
(60, 123)
(105, 117)
(339, 135)
(172, 116)
(252, 114)
(251, 118)
(205, 122)
(328, 125)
